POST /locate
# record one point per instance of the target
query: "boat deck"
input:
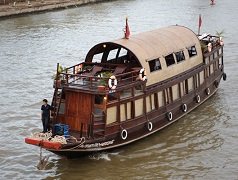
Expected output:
(91, 80)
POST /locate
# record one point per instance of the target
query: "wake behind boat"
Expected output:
(130, 88)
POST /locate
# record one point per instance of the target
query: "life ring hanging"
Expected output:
(142, 74)
(198, 99)
(112, 82)
(170, 116)
(149, 126)
(78, 68)
(124, 134)
(224, 76)
(208, 91)
(184, 107)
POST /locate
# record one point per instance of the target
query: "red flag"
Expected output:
(200, 21)
(127, 30)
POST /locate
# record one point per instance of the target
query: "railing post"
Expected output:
(57, 72)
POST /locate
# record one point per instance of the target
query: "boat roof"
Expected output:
(154, 44)
(160, 42)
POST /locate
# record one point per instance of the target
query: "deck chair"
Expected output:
(119, 70)
(94, 71)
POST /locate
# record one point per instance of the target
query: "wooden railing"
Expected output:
(76, 77)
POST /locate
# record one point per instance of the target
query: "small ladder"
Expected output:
(57, 97)
(98, 126)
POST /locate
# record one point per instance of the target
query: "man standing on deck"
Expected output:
(45, 115)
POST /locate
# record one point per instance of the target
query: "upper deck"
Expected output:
(163, 53)
(93, 77)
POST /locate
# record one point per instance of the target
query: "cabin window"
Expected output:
(150, 103)
(169, 60)
(220, 61)
(186, 86)
(123, 52)
(180, 56)
(216, 65)
(139, 107)
(182, 89)
(211, 68)
(169, 95)
(126, 93)
(97, 57)
(206, 73)
(220, 51)
(161, 99)
(111, 115)
(123, 112)
(211, 57)
(192, 51)
(138, 90)
(207, 60)
(123, 56)
(175, 89)
(215, 54)
(196, 80)
(190, 84)
(155, 65)
(129, 110)
(201, 77)
(112, 54)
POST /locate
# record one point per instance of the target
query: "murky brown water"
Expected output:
(202, 145)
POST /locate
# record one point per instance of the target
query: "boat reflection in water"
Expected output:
(130, 88)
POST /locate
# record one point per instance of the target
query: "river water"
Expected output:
(201, 145)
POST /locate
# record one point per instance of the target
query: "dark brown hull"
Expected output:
(137, 128)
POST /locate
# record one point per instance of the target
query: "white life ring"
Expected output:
(198, 99)
(78, 68)
(208, 91)
(221, 41)
(114, 79)
(170, 116)
(149, 126)
(209, 47)
(142, 74)
(184, 107)
(124, 134)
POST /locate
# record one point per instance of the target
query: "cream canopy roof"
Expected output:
(154, 44)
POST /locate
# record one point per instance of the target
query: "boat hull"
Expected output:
(114, 141)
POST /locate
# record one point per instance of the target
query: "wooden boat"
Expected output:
(128, 89)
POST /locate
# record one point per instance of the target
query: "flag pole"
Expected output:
(199, 24)
(127, 29)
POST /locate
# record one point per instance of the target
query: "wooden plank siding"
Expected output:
(78, 110)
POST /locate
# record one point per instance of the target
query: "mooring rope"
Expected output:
(61, 139)
(42, 136)
(81, 142)
(48, 137)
